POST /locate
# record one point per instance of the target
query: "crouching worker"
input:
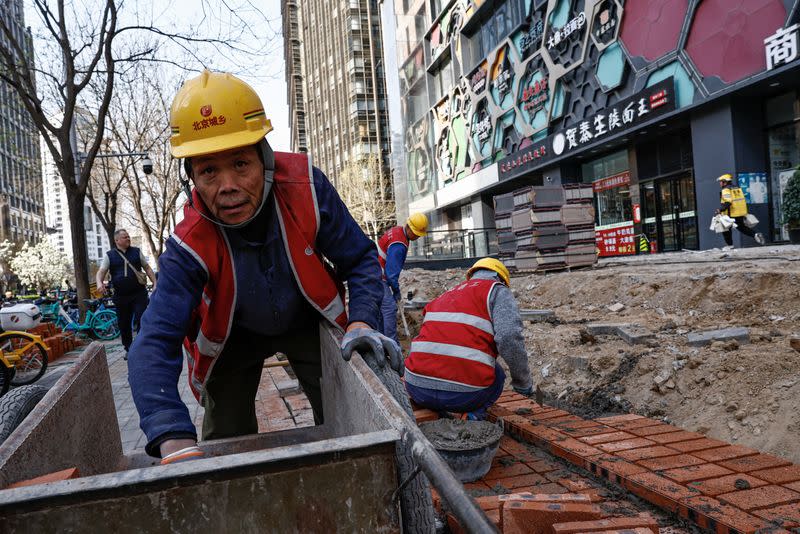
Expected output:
(453, 364)
(245, 274)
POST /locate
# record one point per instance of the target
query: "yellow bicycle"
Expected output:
(23, 359)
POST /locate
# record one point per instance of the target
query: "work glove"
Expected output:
(396, 294)
(183, 455)
(369, 342)
(528, 391)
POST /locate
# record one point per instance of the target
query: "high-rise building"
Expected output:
(21, 199)
(336, 86)
(644, 102)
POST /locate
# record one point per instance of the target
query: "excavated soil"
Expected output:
(746, 393)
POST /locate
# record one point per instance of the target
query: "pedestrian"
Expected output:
(452, 366)
(126, 263)
(246, 275)
(734, 205)
(392, 250)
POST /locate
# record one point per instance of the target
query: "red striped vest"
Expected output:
(392, 236)
(456, 342)
(298, 214)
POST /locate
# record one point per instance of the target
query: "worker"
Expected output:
(245, 274)
(734, 205)
(452, 366)
(392, 250)
(126, 263)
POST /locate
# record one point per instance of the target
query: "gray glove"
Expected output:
(368, 342)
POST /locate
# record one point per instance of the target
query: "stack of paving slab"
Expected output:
(546, 228)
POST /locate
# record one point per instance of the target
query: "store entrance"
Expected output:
(669, 212)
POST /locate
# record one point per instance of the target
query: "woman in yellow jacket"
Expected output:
(734, 205)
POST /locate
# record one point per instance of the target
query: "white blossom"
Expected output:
(40, 266)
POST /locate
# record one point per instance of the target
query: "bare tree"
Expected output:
(367, 192)
(81, 50)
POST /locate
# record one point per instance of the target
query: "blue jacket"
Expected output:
(155, 358)
(395, 259)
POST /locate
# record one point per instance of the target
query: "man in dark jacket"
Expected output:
(125, 263)
(244, 274)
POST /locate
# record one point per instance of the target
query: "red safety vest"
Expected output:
(298, 215)
(392, 236)
(456, 342)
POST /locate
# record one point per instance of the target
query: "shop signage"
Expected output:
(503, 81)
(535, 96)
(605, 22)
(483, 128)
(478, 80)
(530, 39)
(782, 47)
(522, 159)
(562, 34)
(754, 186)
(616, 240)
(628, 113)
(618, 180)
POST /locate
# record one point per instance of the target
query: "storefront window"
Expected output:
(783, 121)
(611, 183)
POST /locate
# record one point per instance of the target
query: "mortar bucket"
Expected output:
(468, 447)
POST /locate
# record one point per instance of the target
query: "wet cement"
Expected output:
(457, 435)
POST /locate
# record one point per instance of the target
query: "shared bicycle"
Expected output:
(23, 359)
(99, 321)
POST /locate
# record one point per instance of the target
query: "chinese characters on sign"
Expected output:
(483, 128)
(535, 96)
(611, 182)
(478, 80)
(526, 155)
(561, 34)
(781, 47)
(618, 241)
(219, 120)
(530, 39)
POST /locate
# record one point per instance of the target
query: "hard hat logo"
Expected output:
(205, 111)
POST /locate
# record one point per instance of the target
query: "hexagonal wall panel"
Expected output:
(566, 33)
(684, 88)
(651, 28)
(606, 22)
(507, 135)
(611, 67)
(502, 75)
(534, 93)
(481, 129)
(726, 39)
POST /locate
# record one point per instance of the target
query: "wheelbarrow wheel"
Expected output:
(15, 407)
(416, 503)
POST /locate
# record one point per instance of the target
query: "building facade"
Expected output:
(21, 198)
(336, 86)
(649, 101)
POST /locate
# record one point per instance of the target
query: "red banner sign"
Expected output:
(618, 180)
(619, 241)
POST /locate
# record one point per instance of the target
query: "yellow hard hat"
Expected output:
(493, 265)
(418, 222)
(214, 112)
(725, 178)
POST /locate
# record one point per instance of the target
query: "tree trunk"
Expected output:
(80, 253)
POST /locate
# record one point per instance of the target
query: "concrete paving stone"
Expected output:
(635, 335)
(698, 339)
(606, 329)
(538, 316)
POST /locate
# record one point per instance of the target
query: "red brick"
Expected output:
(506, 471)
(786, 516)
(625, 445)
(670, 462)
(697, 445)
(494, 517)
(793, 486)
(543, 466)
(574, 451)
(523, 404)
(727, 484)
(538, 434)
(581, 423)
(615, 419)
(754, 463)
(638, 423)
(606, 438)
(57, 476)
(552, 414)
(645, 453)
(658, 490)
(696, 472)
(454, 525)
(526, 481)
(655, 429)
(637, 530)
(586, 431)
(576, 486)
(612, 523)
(475, 486)
(423, 414)
(613, 468)
(725, 453)
(490, 502)
(779, 475)
(546, 497)
(527, 517)
(674, 437)
(563, 422)
(711, 514)
(763, 497)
